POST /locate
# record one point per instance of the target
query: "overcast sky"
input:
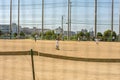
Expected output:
(82, 14)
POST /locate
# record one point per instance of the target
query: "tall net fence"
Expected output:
(31, 27)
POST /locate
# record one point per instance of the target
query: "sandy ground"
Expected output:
(67, 48)
(19, 68)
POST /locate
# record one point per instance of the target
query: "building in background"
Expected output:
(29, 31)
(91, 34)
(58, 30)
(72, 33)
(5, 28)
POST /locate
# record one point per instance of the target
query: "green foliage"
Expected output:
(49, 35)
(80, 34)
(108, 34)
(87, 35)
(54, 36)
(22, 34)
(65, 37)
(33, 34)
(84, 36)
(15, 34)
(0, 32)
(49, 32)
(73, 38)
(100, 36)
(118, 37)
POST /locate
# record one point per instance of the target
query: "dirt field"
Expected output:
(18, 67)
(67, 48)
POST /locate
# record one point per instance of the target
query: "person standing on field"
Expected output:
(97, 40)
(35, 37)
(57, 42)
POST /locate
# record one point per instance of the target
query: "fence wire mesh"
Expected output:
(35, 24)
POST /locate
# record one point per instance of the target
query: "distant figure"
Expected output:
(78, 38)
(113, 38)
(96, 40)
(57, 42)
(35, 37)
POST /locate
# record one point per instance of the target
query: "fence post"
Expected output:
(32, 60)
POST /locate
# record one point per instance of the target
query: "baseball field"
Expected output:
(18, 67)
(88, 49)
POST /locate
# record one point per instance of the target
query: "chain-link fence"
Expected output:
(21, 21)
(66, 17)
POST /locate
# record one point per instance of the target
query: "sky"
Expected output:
(82, 14)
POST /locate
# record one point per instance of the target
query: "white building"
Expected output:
(28, 30)
(72, 33)
(5, 28)
(58, 30)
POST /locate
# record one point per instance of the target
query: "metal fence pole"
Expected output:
(62, 28)
(32, 60)
(18, 17)
(112, 18)
(68, 19)
(95, 19)
(10, 19)
(112, 15)
(42, 19)
(119, 23)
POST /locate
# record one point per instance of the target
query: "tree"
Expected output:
(34, 33)
(22, 34)
(0, 32)
(50, 35)
(15, 34)
(108, 34)
(49, 32)
(80, 35)
(87, 35)
(99, 35)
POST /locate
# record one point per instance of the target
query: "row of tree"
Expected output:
(108, 35)
(14, 35)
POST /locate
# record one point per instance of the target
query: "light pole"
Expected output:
(18, 17)
(95, 19)
(69, 18)
(112, 15)
(112, 18)
(62, 28)
(119, 23)
(10, 19)
(42, 19)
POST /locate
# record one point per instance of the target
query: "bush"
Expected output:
(108, 35)
(73, 38)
